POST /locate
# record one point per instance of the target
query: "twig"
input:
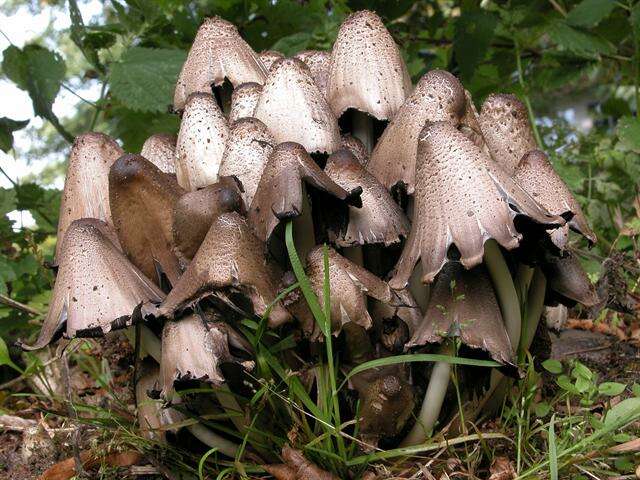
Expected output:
(10, 302)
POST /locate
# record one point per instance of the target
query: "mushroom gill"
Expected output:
(318, 62)
(244, 100)
(160, 149)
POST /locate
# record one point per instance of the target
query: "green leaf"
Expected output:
(629, 133)
(552, 366)
(145, 78)
(611, 388)
(7, 200)
(589, 13)
(7, 273)
(5, 358)
(578, 42)
(635, 388)
(474, 32)
(542, 409)
(7, 127)
(624, 412)
(292, 44)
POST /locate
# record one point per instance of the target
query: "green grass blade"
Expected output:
(553, 452)
(203, 459)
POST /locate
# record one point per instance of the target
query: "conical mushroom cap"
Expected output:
(86, 186)
(97, 289)
(201, 142)
(318, 62)
(193, 349)
(462, 198)
(247, 152)
(269, 57)
(506, 130)
(380, 220)
(469, 311)
(279, 193)
(195, 211)
(244, 100)
(438, 96)
(294, 110)
(230, 258)
(160, 149)
(405, 308)
(356, 147)
(538, 178)
(218, 52)
(567, 278)
(367, 71)
(142, 199)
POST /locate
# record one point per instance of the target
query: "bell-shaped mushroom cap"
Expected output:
(367, 71)
(506, 130)
(568, 280)
(195, 211)
(248, 150)
(355, 146)
(142, 200)
(404, 307)
(294, 110)
(201, 142)
(160, 149)
(269, 57)
(97, 289)
(279, 193)
(438, 96)
(469, 311)
(218, 52)
(536, 176)
(462, 198)
(86, 186)
(380, 220)
(230, 258)
(193, 349)
(244, 100)
(318, 62)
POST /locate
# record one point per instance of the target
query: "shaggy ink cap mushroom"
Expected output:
(318, 62)
(244, 100)
(160, 149)
(397, 321)
(567, 282)
(218, 53)
(269, 57)
(356, 147)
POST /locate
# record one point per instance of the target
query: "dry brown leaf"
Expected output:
(66, 469)
(502, 469)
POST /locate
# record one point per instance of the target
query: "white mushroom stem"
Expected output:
(522, 282)
(362, 129)
(303, 224)
(213, 440)
(533, 312)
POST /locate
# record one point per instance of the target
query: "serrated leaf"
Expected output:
(7, 127)
(145, 78)
(629, 132)
(589, 13)
(474, 32)
(611, 389)
(578, 42)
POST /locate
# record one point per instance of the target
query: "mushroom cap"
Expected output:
(367, 71)
(201, 142)
(538, 178)
(279, 194)
(142, 200)
(246, 154)
(380, 220)
(218, 52)
(506, 129)
(86, 185)
(160, 149)
(244, 100)
(195, 211)
(404, 307)
(469, 311)
(231, 258)
(269, 57)
(356, 147)
(438, 96)
(318, 62)
(97, 288)
(464, 198)
(568, 280)
(294, 110)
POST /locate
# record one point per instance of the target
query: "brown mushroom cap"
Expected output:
(230, 258)
(294, 110)
(97, 289)
(318, 62)
(404, 307)
(438, 96)
(86, 186)
(279, 193)
(160, 149)
(201, 142)
(195, 211)
(367, 71)
(567, 278)
(247, 152)
(218, 52)
(380, 220)
(269, 57)
(244, 100)
(355, 146)
(462, 198)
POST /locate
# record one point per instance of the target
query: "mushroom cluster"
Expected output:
(445, 229)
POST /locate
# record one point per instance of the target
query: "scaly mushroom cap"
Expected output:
(269, 57)
(438, 96)
(367, 71)
(142, 200)
(506, 130)
(97, 289)
(193, 349)
(218, 52)
(247, 152)
(536, 175)
(567, 278)
(294, 110)
(380, 220)
(404, 308)
(195, 211)
(469, 311)
(160, 149)
(279, 193)
(470, 123)
(201, 142)
(230, 258)
(463, 198)
(355, 146)
(318, 62)
(86, 186)
(244, 100)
